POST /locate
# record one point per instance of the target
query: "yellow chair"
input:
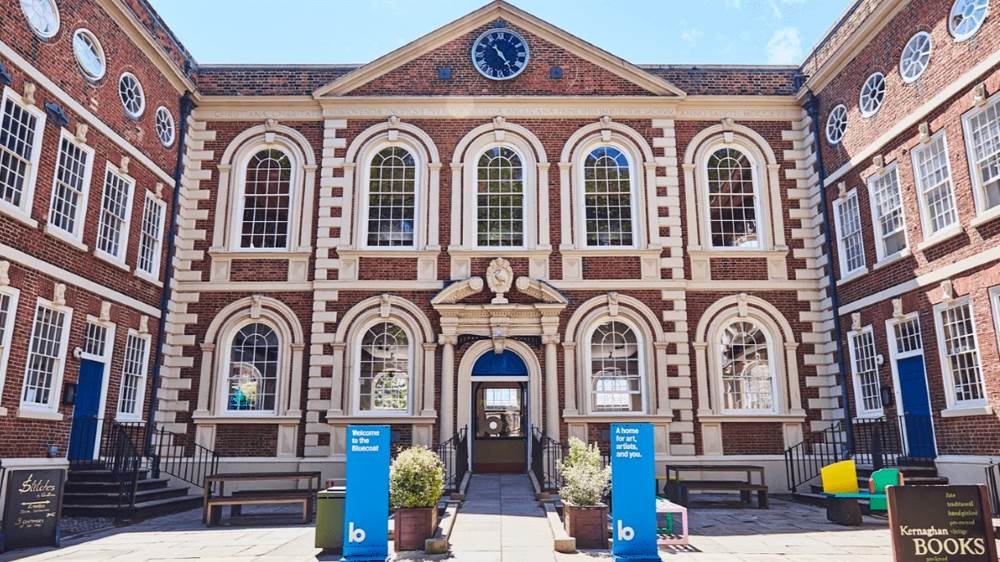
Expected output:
(840, 478)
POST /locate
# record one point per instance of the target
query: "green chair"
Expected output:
(879, 481)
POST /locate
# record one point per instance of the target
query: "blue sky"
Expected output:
(641, 31)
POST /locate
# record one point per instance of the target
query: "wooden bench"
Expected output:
(678, 489)
(216, 500)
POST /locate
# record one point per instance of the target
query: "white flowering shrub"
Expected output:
(586, 479)
(416, 478)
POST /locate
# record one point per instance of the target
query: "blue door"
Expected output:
(83, 432)
(916, 407)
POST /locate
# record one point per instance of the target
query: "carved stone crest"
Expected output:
(499, 278)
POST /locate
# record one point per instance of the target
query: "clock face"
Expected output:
(500, 54)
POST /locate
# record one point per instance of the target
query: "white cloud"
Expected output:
(784, 46)
(734, 4)
(691, 35)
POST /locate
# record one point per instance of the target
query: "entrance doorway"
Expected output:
(906, 351)
(500, 413)
(85, 427)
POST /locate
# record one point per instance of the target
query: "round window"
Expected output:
(872, 94)
(89, 54)
(966, 17)
(836, 124)
(916, 56)
(164, 126)
(131, 95)
(42, 16)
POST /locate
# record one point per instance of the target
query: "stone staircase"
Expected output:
(94, 492)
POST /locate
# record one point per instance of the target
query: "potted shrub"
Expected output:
(416, 482)
(586, 481)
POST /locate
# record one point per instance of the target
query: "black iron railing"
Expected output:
(804, 460)
(454, 453)
(172, 454)
(993, 486)
(545, 456)
(877, 442)
(123, 458)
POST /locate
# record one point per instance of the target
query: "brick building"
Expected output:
(504, 230)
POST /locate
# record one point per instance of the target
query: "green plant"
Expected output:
(586, 479)
(416, 478)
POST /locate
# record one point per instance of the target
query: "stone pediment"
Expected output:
(500, 280)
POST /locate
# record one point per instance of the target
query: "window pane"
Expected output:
(616, 373)
(150, 236)
(850, 240)
(962, 354)
(266, 200)
(607, 198)
(385, 370)
(133, 375)
(731, 200)
(391, 198)
(889, 227)
(17, 138)
(747, 380)
(43, 356)
(500, 199)
(865, 370)
(253, 369)
(934, 180)
(66, 199)
(114, 214)
(984, 135)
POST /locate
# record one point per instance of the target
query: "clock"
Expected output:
(500, 54)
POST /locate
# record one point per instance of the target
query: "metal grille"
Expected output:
(44, 355)
(385, 369)
(133, 375)
(95, 339)
(961, 352)
(392, 198)
(71, 173)
(615, 369)
(114, 214)
(747, 380)
(865, 370)
(984, 135)
(934, 179)
(253, 369)
(266, 200)
(908, 338)
(151, 236)
(607, 198)
(17, 139)
(850, 241)
(732, 200)
(890, 231)
(500, 199)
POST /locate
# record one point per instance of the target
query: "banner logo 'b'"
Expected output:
(355, 534)
(625, 533)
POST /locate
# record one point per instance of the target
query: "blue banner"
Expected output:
(366, 512)
(633, 493)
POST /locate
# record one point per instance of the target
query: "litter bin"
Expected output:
(330, 518)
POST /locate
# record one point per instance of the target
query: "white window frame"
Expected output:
(859, 401)
(140, 390)
(995, 304)
(633, 195)
(225, 362)
(22, 212)
(39, 33)
(930, 55)
(925, 220)
(969, 34)
(838, 205)
(880, 250)
(134, 115)
(8, 334)
(419, 188)
(763, 222)
(118, 260)
(528, 200)
(771, 364)
(947, 377)
(50, 410)
(76, 236)
(356, 370)
(588, 359)
(984, 213)
(100, 51)
(295, 189)
(157, 252)
(162, 114)
(871, 111)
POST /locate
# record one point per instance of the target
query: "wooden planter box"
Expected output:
(587, 524)
(414, 525)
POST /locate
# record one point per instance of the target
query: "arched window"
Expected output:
(732, 200)
(616, 372)
(266, 201)
(392, 198)
(499, 198)
(607, 198)
(746, 367)
(252, 382)
(384, 379)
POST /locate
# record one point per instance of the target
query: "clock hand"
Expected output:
(497, 49)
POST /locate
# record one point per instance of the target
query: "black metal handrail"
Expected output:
(877, 442)
(121, 456)
(545, 456)
(804, 460)
(454, 453)
(171, 453)
(993, 486)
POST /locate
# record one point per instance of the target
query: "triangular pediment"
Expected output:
(587, 70)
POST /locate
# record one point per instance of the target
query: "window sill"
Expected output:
(751, 418)
(939, 237)
(986, 216)
(65, 237)
(573, 251)
(120, 418)
(737, 253)
(32, 414)
(607, 417)
(889, 260)
(113, 261)
(370, 419)
(460, 252)
(236, 419)
(852, 276)
(387, 252)
(961, 412)
(18, 214)
(275, 254)
(148, 278)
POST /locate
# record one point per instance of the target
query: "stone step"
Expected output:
(143, 510)
(104, 486)
(108, 497)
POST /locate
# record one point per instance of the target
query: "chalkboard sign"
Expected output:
(941, 524)
(31, 512)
